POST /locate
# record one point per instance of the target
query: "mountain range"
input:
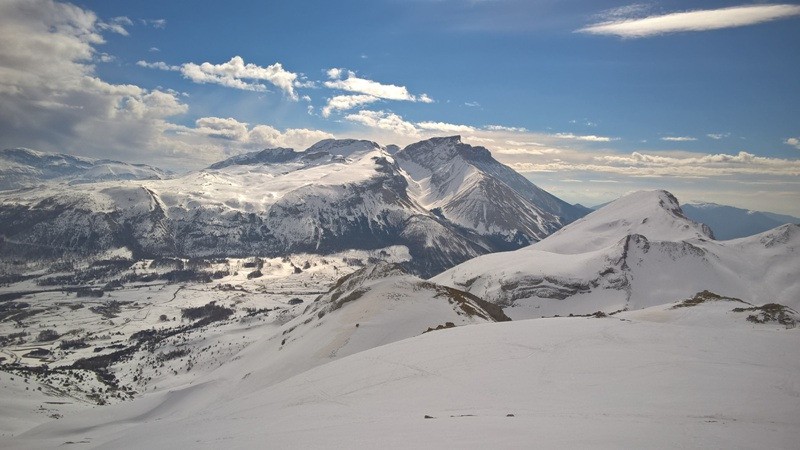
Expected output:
(729, 222)
(22, 167)
(444, 200)
(647, 327)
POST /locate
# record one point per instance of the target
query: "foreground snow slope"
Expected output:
(636, 252)
(657, 378)
(371, 307)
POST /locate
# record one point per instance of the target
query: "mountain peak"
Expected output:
(266, 156)
(657, 215)
(343, 147)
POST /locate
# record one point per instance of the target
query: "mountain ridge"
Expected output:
(335, 195)
(623, 257)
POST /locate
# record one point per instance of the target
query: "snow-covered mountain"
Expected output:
(636, 252)
(22, 167)
(336, 195)
(473, 190)
(729, 222)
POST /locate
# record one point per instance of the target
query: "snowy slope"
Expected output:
(21, 167)
(729, 222)
(470, 188)
(657, 378)
(636, 252)
(373, 306)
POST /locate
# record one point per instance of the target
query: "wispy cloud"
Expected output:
(586, 138)
(505, 128)
(678, 138)
(794, 142)
(160, 65)
(718, 136)
(626, 25)
(116, 25)
(155, 23)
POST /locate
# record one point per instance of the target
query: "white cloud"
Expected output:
(586, 138)
(346, 102)
(675, 165)
(625, 26)
(116, 25)
(348, 81)
(384, 121)
(160, 65)
(794, 142)
(154, 49)
(624, 12)
(237, 75)
(155, 23)
(243, 136)
(505, 128)
(718, 136)
(423, 98)
(235, 72)
(445, 127)
(678, 139)
(50, 97)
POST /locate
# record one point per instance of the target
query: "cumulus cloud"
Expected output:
(50, 97)
(346, 102)
(246, 136)
(259, 135)
(625, 23)
(794, 142)
(678, 138)
(236, 74)
(384, 121)
(365, 91)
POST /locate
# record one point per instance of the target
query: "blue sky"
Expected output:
(589, 99)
